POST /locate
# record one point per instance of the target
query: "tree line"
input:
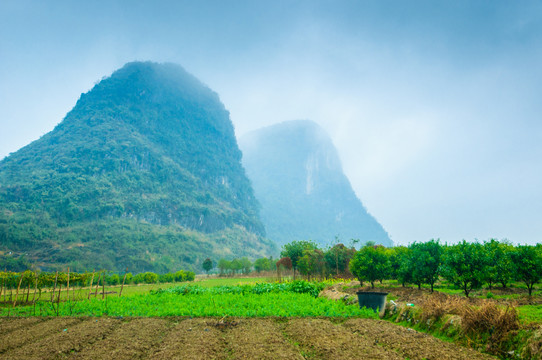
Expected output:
(467, 266)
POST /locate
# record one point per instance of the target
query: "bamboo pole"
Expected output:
(103, 287)
(35, 289)
(68, 286)
(18, 287)
(123, 280)
(97, 284)
(28, 292)
(54, 288)
(90, 287)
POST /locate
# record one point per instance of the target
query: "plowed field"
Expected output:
(207, 338)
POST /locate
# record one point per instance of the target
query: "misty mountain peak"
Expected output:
(298, 179)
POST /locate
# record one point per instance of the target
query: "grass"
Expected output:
(530, 314)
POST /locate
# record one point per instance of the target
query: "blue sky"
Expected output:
(434, 106)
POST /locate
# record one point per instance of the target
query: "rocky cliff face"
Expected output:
(298, 178)
(144, 172)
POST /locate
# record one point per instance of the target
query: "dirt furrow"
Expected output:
(69, 339)
(131, 340)
(8, 325)
(409, 343)
(34, 333)
(192, 339)
(258, 339)
(321, 339)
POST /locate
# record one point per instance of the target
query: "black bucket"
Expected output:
(372, 300)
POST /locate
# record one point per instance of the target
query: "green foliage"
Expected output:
(527, 262)
(464, 265)
(294, 250)
(207, 265)
(264, 264)
(144, 172)
(425, 262)
(370, 263)
(283, 304)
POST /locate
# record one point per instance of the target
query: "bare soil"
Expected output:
(209, 338)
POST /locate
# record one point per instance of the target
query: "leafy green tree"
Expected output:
(246, 265)
(207, 265)
(400, 264)
(263, 264)
(294, 250)
(425, 262)
(338, 257)
(370, 263)
(223, 266)
(527, 261)
(464, 265)
(312, 263)
(236, 265)
(499, 266)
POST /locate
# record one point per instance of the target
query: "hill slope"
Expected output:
(298, 179)
(144, 172)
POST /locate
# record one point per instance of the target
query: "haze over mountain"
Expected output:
(298, 179)
(144, 172)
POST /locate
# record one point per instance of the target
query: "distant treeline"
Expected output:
(467, 266)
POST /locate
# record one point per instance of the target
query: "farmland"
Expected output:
(217, 338)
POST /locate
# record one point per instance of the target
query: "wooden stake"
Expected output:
(103, 287)
(123, 280)
(35, 291)
(90, 287)
(68, 286)
(97, 284)
(54, 288)
(18, 287)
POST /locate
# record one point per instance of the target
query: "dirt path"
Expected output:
(207, 338)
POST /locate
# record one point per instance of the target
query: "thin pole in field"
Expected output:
(90, 287)
(123, 280)
(103, 287)
(17, 293)
(68, 286)
(97, 284)
(54, 288)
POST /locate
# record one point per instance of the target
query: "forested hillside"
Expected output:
(144, 172)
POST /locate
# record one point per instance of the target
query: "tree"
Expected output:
(294, 250)
(370, 263)
(338, 257)
(223, 266)
(208, 265)
(263, 264)
(426, 261)
(499, 266)
(527, 261)
(464, 265)
(312, 263)
(400, 264)
(246, 265)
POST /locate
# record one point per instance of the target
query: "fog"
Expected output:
(434, 107)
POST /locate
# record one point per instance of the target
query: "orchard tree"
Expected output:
(246, 265)
(400, 264)
(425, 262)
(370, 263)
(294, 250)
(208, 265)
(263, 264)
(499, 266)
(527, 261)
(223, 266)
(464, 265)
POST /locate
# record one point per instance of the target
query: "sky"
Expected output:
(434, 106)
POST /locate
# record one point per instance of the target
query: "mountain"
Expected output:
(144, 172)
(298, 178)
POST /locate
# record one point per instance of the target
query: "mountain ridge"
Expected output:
(148, 152)
(297, 176)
